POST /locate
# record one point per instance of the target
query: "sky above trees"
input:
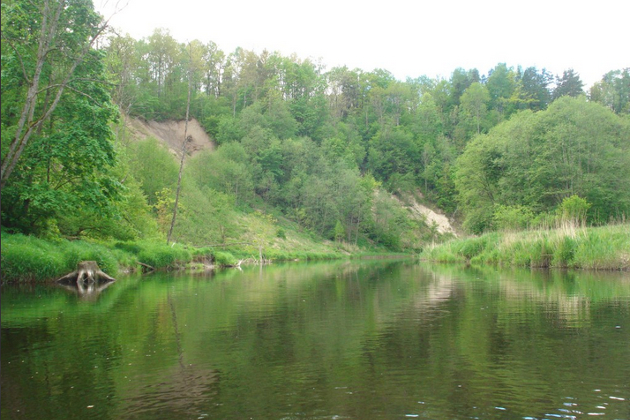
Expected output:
(409, 39)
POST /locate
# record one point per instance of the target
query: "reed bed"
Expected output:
(569, 245)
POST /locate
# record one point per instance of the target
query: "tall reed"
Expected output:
(567, 245)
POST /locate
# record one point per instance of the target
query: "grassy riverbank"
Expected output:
(27, 258)
(596, 248)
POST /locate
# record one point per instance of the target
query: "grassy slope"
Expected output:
(27, 258)
(597, 248)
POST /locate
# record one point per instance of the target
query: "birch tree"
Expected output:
(46, 40)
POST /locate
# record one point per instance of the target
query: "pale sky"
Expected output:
(408, 38)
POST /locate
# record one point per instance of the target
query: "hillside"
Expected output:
(171, 134)
(404, 222)
(346, 156)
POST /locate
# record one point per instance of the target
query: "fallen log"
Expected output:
(237, 265)
(86, 272)
(146, 267)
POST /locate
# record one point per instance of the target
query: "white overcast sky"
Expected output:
(408, 38)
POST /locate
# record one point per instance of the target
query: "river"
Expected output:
(344, 340)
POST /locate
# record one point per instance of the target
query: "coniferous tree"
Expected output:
(569, 84)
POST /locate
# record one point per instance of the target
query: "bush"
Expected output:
(472, 247)
(512, 217)
(574, 209)
(541, 253)
(601, 248)
(224, 259)
(130, 247)
(163, 256)
(26, 258)
(75, 252)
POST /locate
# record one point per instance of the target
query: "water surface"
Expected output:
(344, 340)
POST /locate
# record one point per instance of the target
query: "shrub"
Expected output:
(130, 247)
(542, 253)
(75, 252)
(26, 258)
(574, 209)
(224, 259)
(512, 217)
(606, 247)
(163, 256)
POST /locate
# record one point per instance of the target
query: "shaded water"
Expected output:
(359, 340)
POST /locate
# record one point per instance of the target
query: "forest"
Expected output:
(337, 154)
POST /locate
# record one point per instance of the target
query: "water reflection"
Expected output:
(375, 340)
(88, 291)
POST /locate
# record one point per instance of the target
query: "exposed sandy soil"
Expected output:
(171, 133)
(430, 216)
(443, 224)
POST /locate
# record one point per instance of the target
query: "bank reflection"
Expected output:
(87, 291)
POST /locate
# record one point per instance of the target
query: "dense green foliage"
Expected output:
(535, 160)
(29, 258)
(304, 153)
(56, 141)
(316, 144)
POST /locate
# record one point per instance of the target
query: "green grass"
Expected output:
(31, 259)
(596, 248)
(273, 254)
(28, 258)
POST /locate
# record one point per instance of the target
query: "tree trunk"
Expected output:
(86, 272)
(181, 164)
(27, 123)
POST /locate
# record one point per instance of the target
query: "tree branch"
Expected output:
(19, 56)
(20, 141)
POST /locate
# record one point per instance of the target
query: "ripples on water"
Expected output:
(377, 340)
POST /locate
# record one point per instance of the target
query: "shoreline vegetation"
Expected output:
(567, 246)
(31, 259)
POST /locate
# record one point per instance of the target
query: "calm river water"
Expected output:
(345, 340)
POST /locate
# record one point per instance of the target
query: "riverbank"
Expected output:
(569, 246)
(31, 259)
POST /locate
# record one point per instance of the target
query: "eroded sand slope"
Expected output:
(171, 133)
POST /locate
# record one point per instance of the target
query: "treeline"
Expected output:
(324, 148)
(405, 134)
